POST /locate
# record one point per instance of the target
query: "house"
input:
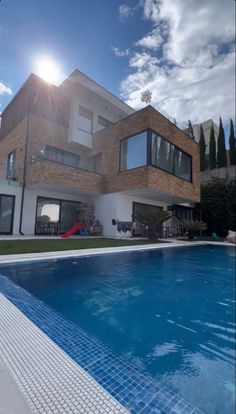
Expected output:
(78, 151)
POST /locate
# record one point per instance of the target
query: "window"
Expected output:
(182, 165)
(133, 152)
(62, 157)
(162, 153)
(94, 163)
(11, 164)
(6, 213)
(169, 158)
(85, 120)
(103, 123)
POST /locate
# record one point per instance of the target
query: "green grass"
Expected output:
(37, 245)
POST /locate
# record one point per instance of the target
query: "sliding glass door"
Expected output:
(7, 204)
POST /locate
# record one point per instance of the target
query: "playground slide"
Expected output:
(73, 230)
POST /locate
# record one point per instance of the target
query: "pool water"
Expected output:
(170, 311)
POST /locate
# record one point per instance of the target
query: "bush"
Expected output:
(218, 206)
(192, 227)
(153, 220)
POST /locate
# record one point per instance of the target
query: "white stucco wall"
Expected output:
(6, 187)
(118, 206)
(94, 103)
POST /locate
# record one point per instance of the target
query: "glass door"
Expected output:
(7, 204)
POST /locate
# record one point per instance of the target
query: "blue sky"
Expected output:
(182, 50)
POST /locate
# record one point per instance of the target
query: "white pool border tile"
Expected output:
(49, 380)
(13, 258)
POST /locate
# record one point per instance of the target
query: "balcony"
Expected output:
(45, 172)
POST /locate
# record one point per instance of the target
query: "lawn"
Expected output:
(47, 245)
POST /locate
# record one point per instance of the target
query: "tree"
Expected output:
(202, 145)
(190, 130)
(212, 149)
(218, 206)
(232, 144)
(153, 220)
(221, 151)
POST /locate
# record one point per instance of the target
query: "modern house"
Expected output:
(78, 151)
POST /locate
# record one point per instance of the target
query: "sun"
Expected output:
(47, 69)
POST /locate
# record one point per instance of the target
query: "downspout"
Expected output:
(24, 168)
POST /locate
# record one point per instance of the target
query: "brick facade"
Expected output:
(108, 142)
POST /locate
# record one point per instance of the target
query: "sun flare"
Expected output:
(48, 70)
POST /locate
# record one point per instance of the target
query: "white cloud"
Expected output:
(125, 11)
(119, 52)
(186, 60)
(5, 89)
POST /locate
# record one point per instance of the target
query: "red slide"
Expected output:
(73, 230)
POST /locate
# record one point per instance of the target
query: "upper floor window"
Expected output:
(103, 123)
(95, 163)
(85, 120)
(11, 165)
(133, 152)
(162, 153)
(169, 158)
(150, 148)
(62, 157)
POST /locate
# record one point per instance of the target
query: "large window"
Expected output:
(133, 152)
(169, 158)
(103, 123)
(182, 165)
(56, 216)
(11, 165)
(63, 157)
(7, 203)
(162, 153)
(85, 120)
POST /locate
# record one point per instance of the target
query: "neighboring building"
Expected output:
(77, 150)
(206, 126)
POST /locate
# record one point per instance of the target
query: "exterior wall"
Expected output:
(11, 188)
(79, 94)
(119, 207)
(148, 176)
(14, 141)
(57, 175)
(228, 173)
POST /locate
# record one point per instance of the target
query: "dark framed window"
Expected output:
(55, 216)
(7, 207)
(103, 123)
(152, 149)
(133, 152)
(11, 165)
(60, 156)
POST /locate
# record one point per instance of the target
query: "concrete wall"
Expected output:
(221, 173)
(119, 207)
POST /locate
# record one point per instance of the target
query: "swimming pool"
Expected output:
(171, 312)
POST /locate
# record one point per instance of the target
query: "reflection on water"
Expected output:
(170, 312)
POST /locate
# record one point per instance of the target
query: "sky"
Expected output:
(181, 50)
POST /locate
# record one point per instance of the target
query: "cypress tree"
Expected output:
(190, 130)
(202, 145)
(221, 151)
(232, 144)
(212, 149)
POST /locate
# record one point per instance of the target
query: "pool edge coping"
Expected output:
(26, 257)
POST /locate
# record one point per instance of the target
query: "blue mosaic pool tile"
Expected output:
(134, 389)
